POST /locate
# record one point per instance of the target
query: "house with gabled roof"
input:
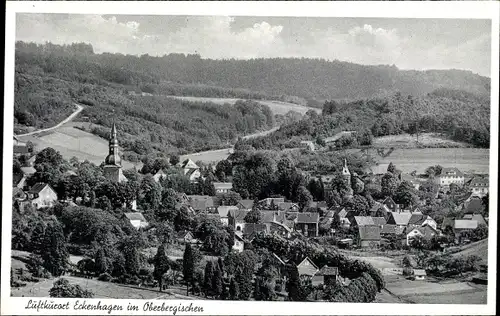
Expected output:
(28, 171)
(236, 219)
(159, 175)
(200, 203)
(388, 230)
(251, 229)
(475, 217)
(400, 220)
(479, 185)
(288, 207)
(18, 194)
(307, 268)
(19, 180)
(307, 223)
(327, 275)
(391, 205)
(379, 210)
(239, 242)
(449, 176)
(222, 187)
(224, 213)
(42, 195)
(369, 236)
(190, 169)
(245, 204)
(418, 220)
(268, 203)
(379, 221)
(362, 221)
(136, 219)
(426, 232)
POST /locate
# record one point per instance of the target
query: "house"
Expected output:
(464, 225)
(449, 176)
(419, 274)
(239, 243)
(307, 268)
(307, 223)
(251, 229)
(391, 205)
(379, 210)
(200, 203)
(186, 237)
(42, 195)
(288, 207)
(360, 221)
(270, 203)
(369, 236)
(245, 204)
(136, 219)
(418, 220)
(224, 212)
(329, 275)
(31, 161)
(236, 219)
(222, 187)
(426, 232)
(19, 150)
(159, 175)
(400, 220)
(476, 217)
(479, 185)
(388, 230)
(19, 180)
(190, 170)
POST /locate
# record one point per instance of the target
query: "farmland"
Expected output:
(277, 107)
(410, 141)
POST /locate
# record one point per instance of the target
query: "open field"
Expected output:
(73, 142)
(410, 141)
(277, 107)
(473, 160)
(431, 292)
(478, 248)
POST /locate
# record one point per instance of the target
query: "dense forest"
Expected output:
(276, 78)
(460, 115)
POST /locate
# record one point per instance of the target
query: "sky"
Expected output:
(407, 43)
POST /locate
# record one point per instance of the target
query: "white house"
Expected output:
(222, 187)
(136, 219)
(449, 176)
(239, 244)
(479, 186)
(190, 170)
(426, 232)
(42, 195)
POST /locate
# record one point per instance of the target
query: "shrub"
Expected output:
(104, 277)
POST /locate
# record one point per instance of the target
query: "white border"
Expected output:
(448, 9)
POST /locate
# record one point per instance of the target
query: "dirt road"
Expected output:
(79, 108)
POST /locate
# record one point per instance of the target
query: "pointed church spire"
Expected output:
(345, 169)
(113, 131)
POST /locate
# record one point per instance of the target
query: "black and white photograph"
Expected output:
(179, 159)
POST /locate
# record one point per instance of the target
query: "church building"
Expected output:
(113, 162)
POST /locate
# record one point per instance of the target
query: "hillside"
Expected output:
(277, 78)
(455, 114)
(479, 248)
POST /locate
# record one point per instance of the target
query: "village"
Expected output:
(228, 225)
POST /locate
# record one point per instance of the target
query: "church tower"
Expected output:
(346, 174)
(113, 162)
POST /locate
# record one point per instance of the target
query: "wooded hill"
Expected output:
(457, 114)
(313, 79)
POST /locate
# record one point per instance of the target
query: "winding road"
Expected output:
(79, 108)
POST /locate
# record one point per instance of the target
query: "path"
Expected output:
(79, 108)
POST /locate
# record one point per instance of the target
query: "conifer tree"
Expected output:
(234, 290)
(207, 280)
(161, 265)
(188, 266)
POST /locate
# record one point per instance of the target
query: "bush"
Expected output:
(104, 277)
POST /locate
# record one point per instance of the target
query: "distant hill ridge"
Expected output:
(307, 78)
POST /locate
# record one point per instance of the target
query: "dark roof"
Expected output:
(238, 215)
(417, 219)
(251, 228)
(480, 182)
(135, 216)
(308, 217)
(200, 202)
(369, 232)
(245, 204)
(451, 172)
(326, 270)
(285, 206)
(427, 231)
(38, 187)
